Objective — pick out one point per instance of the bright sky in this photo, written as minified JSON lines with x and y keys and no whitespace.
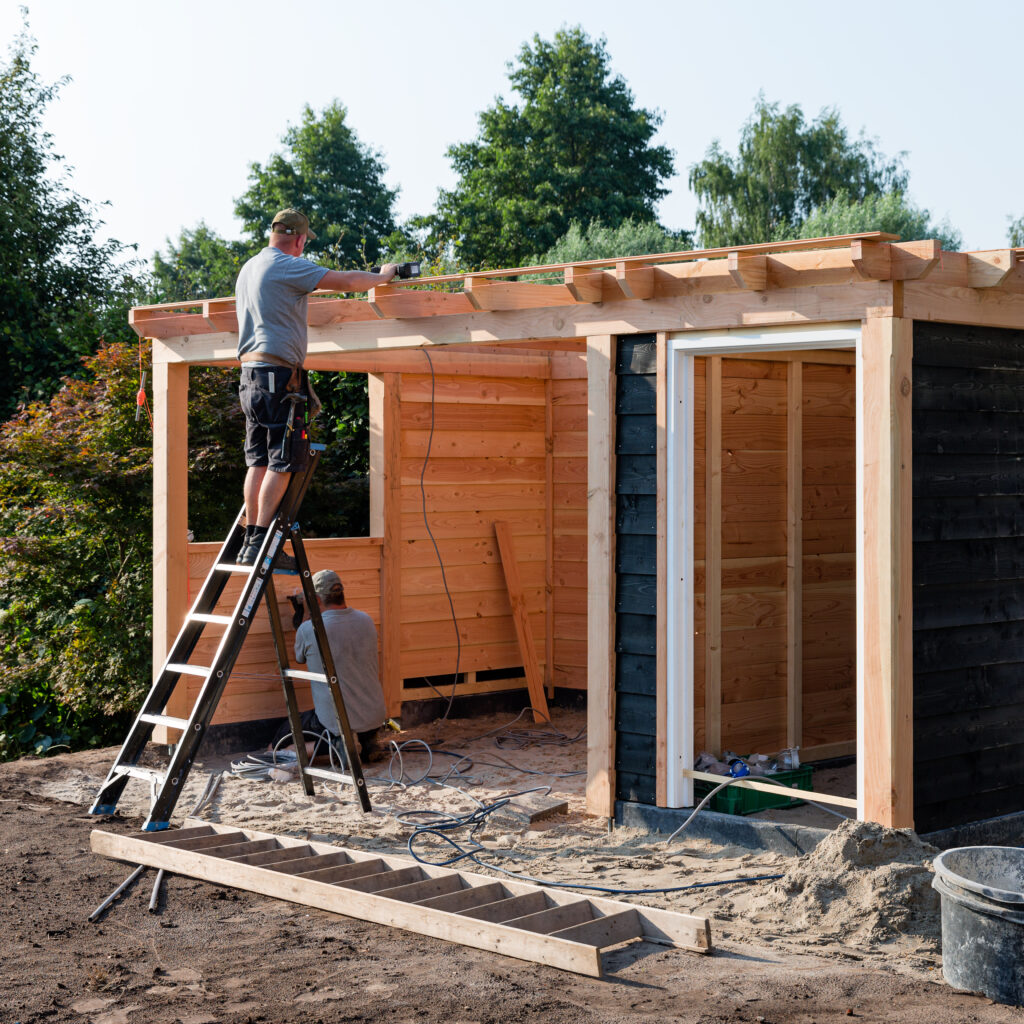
{"x":170,"y":102}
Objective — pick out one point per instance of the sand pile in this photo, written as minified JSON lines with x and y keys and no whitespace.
{"x":863,"y":883}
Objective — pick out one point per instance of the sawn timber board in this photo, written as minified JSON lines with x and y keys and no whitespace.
{"x":529,"y":922}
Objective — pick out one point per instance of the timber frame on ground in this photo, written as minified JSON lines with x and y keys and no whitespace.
{"x":518,"y":322}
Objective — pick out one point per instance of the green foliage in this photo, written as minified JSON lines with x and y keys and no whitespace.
{"x":574,"y":148}
{"x":598,"y":241}
{"x":1017,"y":231}
{"x":332,"y":177}
{"x":891,"y":212}
{"x":75,"y":537}
{"x":60,"y":291}
{"x":200,"y":265}
{"x":785,"y":168}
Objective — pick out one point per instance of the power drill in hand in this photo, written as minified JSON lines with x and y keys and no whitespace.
{"x":405,"y":270}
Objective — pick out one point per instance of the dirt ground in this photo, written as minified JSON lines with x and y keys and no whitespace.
{"x":849,"y":932}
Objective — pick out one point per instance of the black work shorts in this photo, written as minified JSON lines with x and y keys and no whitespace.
{"x":268,"y":439}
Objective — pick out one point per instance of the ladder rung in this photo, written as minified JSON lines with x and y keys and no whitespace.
{"x":171,"y":723}
{"x":187,"y":670}
{"x":217,"y":620}
{"x":138,"y":773}
{"x":233,"y":567}
{"x":296,"y":673}
{"x":326,"y":773}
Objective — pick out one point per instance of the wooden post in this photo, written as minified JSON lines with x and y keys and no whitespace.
{"x":386,"y":522}
{"x":661,"y":527}
{"x":713,"y":558}
{"x":549,"y":537}
{"x":794,"y":553}
{"x":601,"y":575}
{"x":885,"y":612}
{"x":170,"y":524}
{"x":521,"y":619}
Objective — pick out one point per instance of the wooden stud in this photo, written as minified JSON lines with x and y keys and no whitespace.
{"x":391,"y":529}
{"x":794,"y":553}
{"x":661,"y":529}
{"x":601,"y":575}
{"x":170,"y":525}
{"x":521,"y":619}
{"x":713,"y":558}
{"x":885,"y":613}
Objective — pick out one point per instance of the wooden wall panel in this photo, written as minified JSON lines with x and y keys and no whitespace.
{"x":829,"y":559}
{"x":487,"y":462}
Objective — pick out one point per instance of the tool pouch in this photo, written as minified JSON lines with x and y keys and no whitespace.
{"x":299,"y":382}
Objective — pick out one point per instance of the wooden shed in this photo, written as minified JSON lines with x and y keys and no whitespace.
{"x":757,"y":498}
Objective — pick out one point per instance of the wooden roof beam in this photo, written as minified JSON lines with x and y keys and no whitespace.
{"x":389,"y":302}
{"x":493,"y":296}
{"x":634,"y":281}
{"x":989,"y":269}
{"x":585,"y":285}
{"x":749,"y":270}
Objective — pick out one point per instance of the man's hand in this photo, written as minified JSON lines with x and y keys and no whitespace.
{"x":388,"y":271}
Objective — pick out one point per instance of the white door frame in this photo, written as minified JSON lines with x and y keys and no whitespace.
{"x":683,"y":348}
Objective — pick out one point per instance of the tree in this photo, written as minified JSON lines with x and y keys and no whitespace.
{"x":785,"y":168}
{"x":75,"y":529}
{"x":1017,"y":231}
{"x":575,"y":147}
{"x":332,"y":177}
{"x":598,"y":241}
{"x":891,"y":212}
{"x":200,"y":265}
{"x":60,"y":290}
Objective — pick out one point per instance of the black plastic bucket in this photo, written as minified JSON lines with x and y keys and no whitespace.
{"x":982,"y":890}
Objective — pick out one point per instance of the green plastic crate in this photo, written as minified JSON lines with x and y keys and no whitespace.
{"x":741,"y":800}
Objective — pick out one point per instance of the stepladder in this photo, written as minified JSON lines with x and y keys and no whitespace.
{"x":168,"y":780}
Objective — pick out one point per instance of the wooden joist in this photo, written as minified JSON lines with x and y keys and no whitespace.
{"x":529,"y":922}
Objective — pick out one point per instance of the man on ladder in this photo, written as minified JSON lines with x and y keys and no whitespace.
{"x":271,"y":300}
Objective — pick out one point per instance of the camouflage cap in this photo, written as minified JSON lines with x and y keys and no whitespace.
{"x":291,"y":222}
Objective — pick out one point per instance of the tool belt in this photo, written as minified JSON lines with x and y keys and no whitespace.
{"x":297,"y":382}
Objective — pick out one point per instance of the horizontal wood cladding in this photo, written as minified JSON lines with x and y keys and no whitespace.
{"x":636,"y":622}
{"x":968,"y":452}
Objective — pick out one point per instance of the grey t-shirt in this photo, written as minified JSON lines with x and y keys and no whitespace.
{"x":271,"y":297}
{"x":353,"y":640}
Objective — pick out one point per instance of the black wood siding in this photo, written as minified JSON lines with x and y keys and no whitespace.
{"x":968,"y":444}
{"x":635,"y":569}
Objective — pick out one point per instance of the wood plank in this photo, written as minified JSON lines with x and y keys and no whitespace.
{"x":313,"y":862}
{"x":713,"y":413}
{"x":794,"y":555}
{"x":766,"y":787}
{"x":549,"y":536}
{"x":554,"y":919}
{"x":463,"y":899}
{"x":508,"y":295}
{"x":391,"y":552}
{"x":521,"y":619}
{"x":601,"y":575}
{"x":417,"y":892}
{"x":170,"y":526}
{"x":604,"y":931}
{"x":885,"y":616}
{"x":507,"y":909}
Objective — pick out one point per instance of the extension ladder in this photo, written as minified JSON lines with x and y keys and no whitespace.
{"x":167,"y":783}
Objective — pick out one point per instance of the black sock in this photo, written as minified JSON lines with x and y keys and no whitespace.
{"x":257,"y":535}
{"x":248,"y":534}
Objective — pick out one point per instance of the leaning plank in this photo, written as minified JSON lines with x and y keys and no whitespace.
{"x":521,"y":618}
{"x":456,"y":916}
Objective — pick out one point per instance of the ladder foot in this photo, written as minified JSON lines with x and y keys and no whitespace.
{"x":102,"y":808}
{"x":156,"y":826}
